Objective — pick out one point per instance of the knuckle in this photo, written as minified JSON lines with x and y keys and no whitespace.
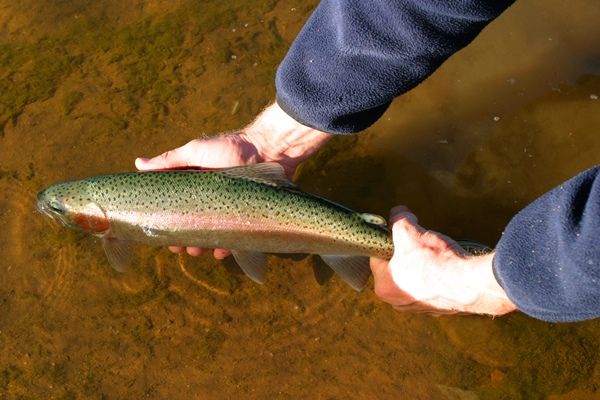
{"x":164,"y":157}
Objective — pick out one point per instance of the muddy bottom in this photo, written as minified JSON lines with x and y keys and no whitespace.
{"x":87,"y":87}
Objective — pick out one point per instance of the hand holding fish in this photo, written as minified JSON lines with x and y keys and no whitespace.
{"x":272,"y":136}
{"x":429,"y":272}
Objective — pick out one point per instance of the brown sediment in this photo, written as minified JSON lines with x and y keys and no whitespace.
{"x":182,"y":266}
{"x":87,"y":87}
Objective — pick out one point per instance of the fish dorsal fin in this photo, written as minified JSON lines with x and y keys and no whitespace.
{"x":269,"y":173}
{"x":374,"y":219}
{"x":253,"y":264}
{"x":354,"y":270}
{"x":118,"y":252}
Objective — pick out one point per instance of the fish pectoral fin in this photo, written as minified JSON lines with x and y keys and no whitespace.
{"x":118,"y":252}
{"x":253,"y":264}
{"x":354,"y":270}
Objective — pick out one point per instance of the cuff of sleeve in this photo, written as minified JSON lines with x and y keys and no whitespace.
{"x":545,"y":260}
{"x":326,"y":122}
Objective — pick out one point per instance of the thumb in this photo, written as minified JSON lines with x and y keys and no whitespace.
{"x":406,"y":231}
{"x":179,"y":157}
{"x":408,"y":235}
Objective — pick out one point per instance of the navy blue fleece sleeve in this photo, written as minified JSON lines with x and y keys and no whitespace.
{"x":548,"y":259}
{"x":353,"y":56}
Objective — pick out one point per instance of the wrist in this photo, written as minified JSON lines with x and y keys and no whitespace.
{"x":277,"y":136}
{"x":492,"y":296}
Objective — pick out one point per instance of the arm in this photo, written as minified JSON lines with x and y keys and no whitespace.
{"x":272,"y":136}
{"x":368,"y":53}
{"x":429,"y":272}
{"x":548,"y":259}
{"x":547,"y":263}
{"x":353,"y":57}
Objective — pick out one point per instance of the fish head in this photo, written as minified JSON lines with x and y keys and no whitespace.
{"x":70,"y":204}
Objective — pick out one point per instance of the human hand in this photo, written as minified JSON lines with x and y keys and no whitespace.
{"x":430,"y":272}
{"x":273,"y":136}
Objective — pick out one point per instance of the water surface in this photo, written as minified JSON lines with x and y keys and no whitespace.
{"x":85,"y":87}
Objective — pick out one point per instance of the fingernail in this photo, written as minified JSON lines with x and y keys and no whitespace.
{"x":398,"y":215}
{"x":141,"y":162}
{"x":399,"y":209}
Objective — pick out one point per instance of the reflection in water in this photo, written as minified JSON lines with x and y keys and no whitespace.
{"x":85,"y":88}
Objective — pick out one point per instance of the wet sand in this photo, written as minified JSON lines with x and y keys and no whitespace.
{"x":87,"y":87}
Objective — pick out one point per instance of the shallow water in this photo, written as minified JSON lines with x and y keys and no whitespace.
{"x":85,"y":87}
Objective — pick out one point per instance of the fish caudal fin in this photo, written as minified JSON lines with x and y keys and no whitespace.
{"x":253,"y":264}
{"x":354,"y":270}
{"x":118,"y":252}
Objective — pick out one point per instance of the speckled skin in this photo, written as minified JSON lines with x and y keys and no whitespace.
{"x":213,"y":209}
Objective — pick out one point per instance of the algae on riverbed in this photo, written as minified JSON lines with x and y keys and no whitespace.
{"x":87,"y":86}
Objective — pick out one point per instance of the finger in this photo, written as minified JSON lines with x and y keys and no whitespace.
{"x":400,"y":212}
{"x":194,"y":251}
{"x":399,"y":209}
{"x":384,"y":286}
{"x":424,"y":308}
{"x":220,"y":254}
{"x":378,"y":265}
{"x":176,"y":249}
{"x":179,"y":157}
{"x":405,"y":229}
{"x":441,"y":242}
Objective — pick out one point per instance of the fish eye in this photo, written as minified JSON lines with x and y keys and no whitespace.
{"x":56,"y":206}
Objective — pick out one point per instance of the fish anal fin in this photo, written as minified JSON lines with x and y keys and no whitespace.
{"x":354,"y":270}
{"x":321,"y":271}
{"x":254,"y":264}
{"x":118,"y":252}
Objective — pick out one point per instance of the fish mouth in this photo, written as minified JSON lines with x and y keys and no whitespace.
{"x":41,"y":205}
{"x":44,"y":207}
{"x":47,"y":211}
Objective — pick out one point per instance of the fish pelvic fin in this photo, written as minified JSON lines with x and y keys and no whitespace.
{"x":354,"y":270}
{"x":118,"y":252}
{"x":254,"y":264}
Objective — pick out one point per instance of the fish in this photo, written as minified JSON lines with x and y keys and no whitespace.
{"x":253,"y":210}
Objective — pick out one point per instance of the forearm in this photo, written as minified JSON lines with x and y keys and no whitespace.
{"x":353,"y":57}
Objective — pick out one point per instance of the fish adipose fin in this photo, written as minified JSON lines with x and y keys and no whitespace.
{"x":253,"y":264}
{"x":354,"y":270}
{"x":374,"y":219}
{"x":269,"y":173}
{"x":118,"y":252}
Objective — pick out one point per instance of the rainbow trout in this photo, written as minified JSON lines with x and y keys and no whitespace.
{"x":251,"y":210}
